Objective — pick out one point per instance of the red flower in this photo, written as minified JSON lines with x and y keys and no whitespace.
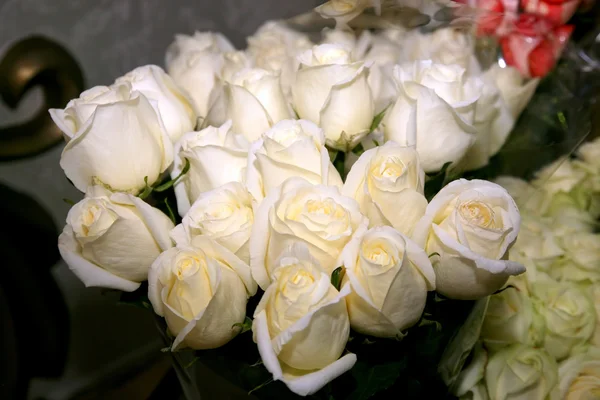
{"x":556,"y":11}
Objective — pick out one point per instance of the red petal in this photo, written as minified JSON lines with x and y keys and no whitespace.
{"x":541,"y":59}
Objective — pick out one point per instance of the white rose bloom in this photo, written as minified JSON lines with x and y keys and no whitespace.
{"x":567,"y":217}
{"x":333,"y":92}
{"x":301,"y":324}
{"x":343,"y":11}
{"x":525,"y":195}
{"x":519,"y":372}
{"x":470,"y":225}
{"x":208,"y":152}
{"x":111,"y":239}
{"x":383,"y":53}
{"x":274,"y":47}
{"x":595,"y":293}
{"x":433,"y":112}
{"x":224,"y":214}
{"x":387,"y":182}
{"x":559,"y":176}
{"x":537,"y":244}
{"x":581,"y":261}
{"x":340,"y":37}
{"x":291,"y":148}
{"x":589,"y":157}
{"x":569,"y":314}
{"x":234,"y":62}
{"x":298,"y":211}
{"x":389,"y":276}
{"x":512,"y":318}
{"x":114,"y":137}
{"x":252,"y":100}
{"x":201,"y":289}
{"x":515,"y":89}
{"x":175,"y":108}
{"x":195,"y":62}
{"x":580,"y":376}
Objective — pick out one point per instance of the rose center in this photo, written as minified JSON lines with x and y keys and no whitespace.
{"x":187,"y":267}
{"x":478,"y":213}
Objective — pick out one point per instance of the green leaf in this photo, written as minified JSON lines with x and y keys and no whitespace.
{"x":358,"y":149}
{"x":170,"y":212}
{"x":336,"y":277}
{"x":69,"y":202}
{"x":339,"y":163}
{"x":436,"y":181}
{"x":374,"y":379}
{"x":147,"y":190}
{"x":245,"y":326}
{"x":377,"y":119}
{"x":167,"y":185}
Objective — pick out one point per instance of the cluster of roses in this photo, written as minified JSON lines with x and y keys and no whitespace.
{"x":541,"y":336}
{"x":532,"y":33}
{"x":262,"y":204}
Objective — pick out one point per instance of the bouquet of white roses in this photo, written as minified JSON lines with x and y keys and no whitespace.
{"x":302,"y":189}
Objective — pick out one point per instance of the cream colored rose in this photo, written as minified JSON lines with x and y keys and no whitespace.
{"x":512,"y":318}
{"x":301,"y":324}
{"x":298,"y":211}
{"x":111,"y":239}
{"x":195,"y":62}
{"x":470,"y":383}
{"x":470,"y":225}
{"x":201,"y":289}
{"x":588,"y":155}
{"x":224,"y":214}
{"x":274,"y":47}
{"x":567,"y":216}
{"x":519,"y":372}
{"x":175,"y":108}
{"x":559,"y":176}
{"x":208,"y":151}
{"x":525,"y":195}
{"x":387,"y":182}
{"x":581,"y":260}
{"x":580,"y":376}
{"x":537,"y":244}
{"x":333,"y":91}
{"x":115,"y":138}
{"x":569,"y":314}
{"x":291,"y":148}
{"x":434,"y":111}
{"x":343,"y":11}
{"x":390,"y":277}
{"x":252,"y":100}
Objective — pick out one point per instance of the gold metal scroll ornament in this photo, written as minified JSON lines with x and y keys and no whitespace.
{"x":36,"y":61}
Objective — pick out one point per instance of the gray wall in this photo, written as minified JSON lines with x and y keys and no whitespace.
{"x":109,"y":38}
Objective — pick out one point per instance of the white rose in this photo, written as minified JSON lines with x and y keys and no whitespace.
{"x":471,"y":225}
{"x":567,"y":216}
{"x":537,"y":244}
{"x":195,"y":63}
{"x":208,"y":152}
{"x":274,"y":47}
{"x":569,"y":314}
{"x":301,"y":324}
{"x":525,"y":195}
{"x":333,"y":92}
{"x":214,"y":42}
{"x":290,"y":148}
{"x":512,"y":318}
{"x":559,"y":176}
{"x":387,"y":182}
{"x":588,"y":155}
{"x":519,"y":372}
{"x":595,"y":293}
{"x":111,"y":239}
{"x":581,"y":261}
{"x":298,"y":211}
{"x":170,"y":102}
{"x":470,"y":383}
{"x":389,"y":276}
{"x":383,"y":53}
{"x":201,"y":289}
{"x":340,"y":37}
{"x":224,"y":214}
{"x":432,"y":112}
{"x":253,"y":100}
{"x":114,"y":137}
{"x":580,"y":376}
{"x":343,"y":11}
{"x":515,"y":89}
